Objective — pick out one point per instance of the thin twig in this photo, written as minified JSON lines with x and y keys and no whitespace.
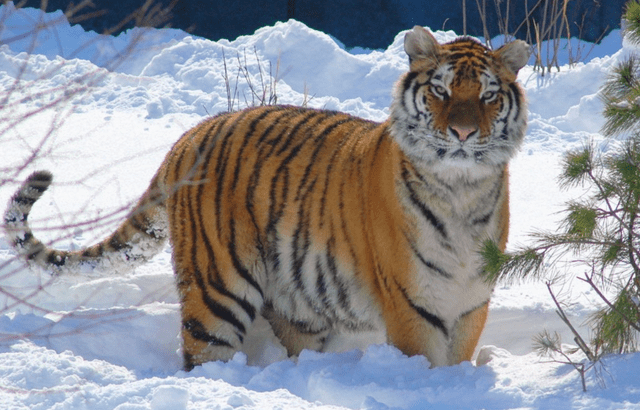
{"x":578,"y":339}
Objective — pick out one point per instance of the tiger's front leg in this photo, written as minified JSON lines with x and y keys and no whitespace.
{"x":415,"y":330}
{"x":467,"y":332}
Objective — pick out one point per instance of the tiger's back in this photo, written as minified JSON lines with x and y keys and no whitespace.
{"x":325,"y":222}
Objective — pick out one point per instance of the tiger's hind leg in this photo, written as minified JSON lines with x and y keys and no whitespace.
{"x":213,"y":326}
{"x":295,"y":335}
{"x":216,"y":313}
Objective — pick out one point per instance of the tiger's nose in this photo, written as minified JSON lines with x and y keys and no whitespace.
{"x":462,"y":132}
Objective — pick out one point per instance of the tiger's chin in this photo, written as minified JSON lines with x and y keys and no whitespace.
{"x":469,"y":170}
{"x":465,"y":157}
{"x":458,"y":162}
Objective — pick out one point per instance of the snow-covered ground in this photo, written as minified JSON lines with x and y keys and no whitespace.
{"x":107,"y":342}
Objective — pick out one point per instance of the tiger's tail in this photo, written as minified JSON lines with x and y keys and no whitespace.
{"x":136,"y":240}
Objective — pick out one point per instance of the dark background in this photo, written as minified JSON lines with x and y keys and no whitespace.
{"x":365,"y":23}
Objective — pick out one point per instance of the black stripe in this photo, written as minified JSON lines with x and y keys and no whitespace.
{"x":22,"y":240}
{"x":221,"y":161}
{"x":434,"y":320}
{"x":205,"y":144}
{"x":292,"y":133}
{"x":339,"y":285}
{"x":265,"y":151}
{"x":301,"y":243}
{"x":221,"y":288}
{"x":426,"y":262}
{"x":252,"y":129}
{"x":516,"y":96}
{"x":408,"y":79}
{"x":306,"y":328}
{"x":276,"y":205}
{"x":177,"y":162}
{"x":215,"y":280}
{"x":382,"y":136}
{"x":116,"y":244}
{"x":328,"y":309}
{"x":56,"y":258}
{"x":187,"y":361}
{"x":39,"y":181}
{"x":330,"y":174}
{"x":472,"y":55}
{"x":180,"y":213}
{"x":483,"y":220}
{"x":319,"y":140}
{"x":22,"y":199}
{"x":321,"y":291}
{"x":343,"y":224}
{"x":414,"y":93}
{"x":301,"y":240}
{"x":493,"y":197}
{"x":406,"y":85}
{"x":463,"y":43}
{"x":422,"y":207}
{"x":243,"y":271}
{"x":205,"y":147}
{"x":144,"y":227}
{"x":320,"y":285}
{"x":473,"y":309}
{"x":214,"y":307}
{"x":197,"y":330}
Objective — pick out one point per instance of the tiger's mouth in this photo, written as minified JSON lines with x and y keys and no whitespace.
{"x":445,"y":148}
{"x":461,"y":154}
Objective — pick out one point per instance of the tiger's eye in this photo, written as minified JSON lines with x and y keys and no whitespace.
{"x":489,"y":95}
{"x":439,"y":90}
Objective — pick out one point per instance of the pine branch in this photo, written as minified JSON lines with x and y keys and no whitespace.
{"x":631,"y":19}
{"x":632,"y":249}
{"x":576,"y":166}
{"x":589,"y":280}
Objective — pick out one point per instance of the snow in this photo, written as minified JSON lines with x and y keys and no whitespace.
{"x":90,"y":341}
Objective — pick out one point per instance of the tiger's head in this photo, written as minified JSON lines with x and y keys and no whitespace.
{"x":459,"y":105}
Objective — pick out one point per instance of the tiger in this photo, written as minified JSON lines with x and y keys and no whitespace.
{"x":325,"y":223}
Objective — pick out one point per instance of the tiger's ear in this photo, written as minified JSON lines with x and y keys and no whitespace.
{"x":514,"y":55}
{"x":420,"y":44}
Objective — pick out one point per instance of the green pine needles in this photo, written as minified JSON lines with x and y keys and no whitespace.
{"x":600,"y":231}
{"x":631,"y":21}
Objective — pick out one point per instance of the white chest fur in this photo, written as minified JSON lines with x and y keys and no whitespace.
{"x":452,"y":211}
